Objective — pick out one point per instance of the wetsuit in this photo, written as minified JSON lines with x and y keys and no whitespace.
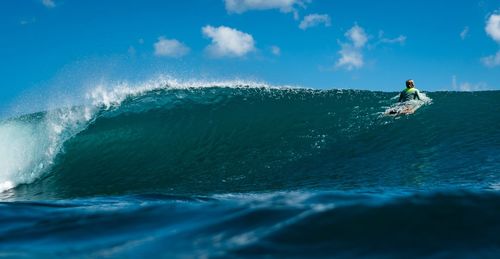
{"x":409,"y":94}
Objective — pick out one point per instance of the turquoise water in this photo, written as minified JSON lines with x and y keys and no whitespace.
{"x":253,"y":171}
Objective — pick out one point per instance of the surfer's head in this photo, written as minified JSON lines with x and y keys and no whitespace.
{"x":410,"y":83}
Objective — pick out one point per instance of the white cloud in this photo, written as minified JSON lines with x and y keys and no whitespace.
{"x":170,"y":48}
{"x":228,"y":42}
{"x":276,"y":50}
{"x":493,"y":27}
{"x":285,"y":6}
{"x":464,"y":33}
{"x":357,"y":35}
{"x":401,"y":40}
{"x":315,"y":20}
{"x":49,"y":3}
{"x":351,"y":55}
{"x":466,"y":86}
{"x":491,"y":61}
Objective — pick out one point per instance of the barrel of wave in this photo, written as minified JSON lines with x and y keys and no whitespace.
{"x":29,"y":144}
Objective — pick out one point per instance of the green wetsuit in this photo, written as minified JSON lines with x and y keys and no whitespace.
{"x":409,"y":94}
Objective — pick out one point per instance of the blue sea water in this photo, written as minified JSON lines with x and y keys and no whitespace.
{"x":219,"y":170}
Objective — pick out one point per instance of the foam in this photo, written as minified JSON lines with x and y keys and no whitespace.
{"x":22,"y":153}
{"x":414,"y":104}
{"x":113,"y":94}
{"x":29,"y":146}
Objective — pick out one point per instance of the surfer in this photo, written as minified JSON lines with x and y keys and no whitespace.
{"x":404,"y":106}
{"x":410,"y":93}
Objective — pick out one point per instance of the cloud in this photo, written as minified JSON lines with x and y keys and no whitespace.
{"x":466,"y":86}
{"x":401,"y":40}
{"x":27,"y":21}
{"x":228,"y":42}
{"x":351,"y":55}
{"x":493,"y":27}
{"x":170,"y":48}
{"x":315,"y":20}
{"x":357,"y":35}
{"x":491,"y":61}
{"x":49,"y":3}
{"x":285,"y":6}
{"x":464,"y":33}
{"x":276,"y":50}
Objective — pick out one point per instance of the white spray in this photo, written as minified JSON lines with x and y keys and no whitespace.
{"x":28,"y":146}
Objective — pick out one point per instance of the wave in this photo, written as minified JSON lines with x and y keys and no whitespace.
{"x":29,"y":143}
{"x":225,"y":137}
{"x":284,"y":224}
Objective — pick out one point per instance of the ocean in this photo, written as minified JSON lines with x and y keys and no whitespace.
{"x":250,"y":170}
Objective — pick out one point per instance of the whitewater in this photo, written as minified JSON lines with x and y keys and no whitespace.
{"x":239,"y":168}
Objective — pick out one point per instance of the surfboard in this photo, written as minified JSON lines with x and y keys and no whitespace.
{"x":401,"y":109}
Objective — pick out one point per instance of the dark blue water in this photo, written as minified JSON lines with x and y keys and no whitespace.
{"x":229,"y":172}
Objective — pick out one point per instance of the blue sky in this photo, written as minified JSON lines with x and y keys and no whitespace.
{"x":374,"y":45}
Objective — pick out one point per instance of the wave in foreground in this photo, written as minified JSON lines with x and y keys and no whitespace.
{"x":292,"y":224}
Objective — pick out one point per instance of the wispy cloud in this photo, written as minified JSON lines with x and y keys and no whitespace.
{"x":492,"y":60}
{"x":27,"y":21}
{"x":228,"y":42}
{"x":276,"y":50}
{"x":285,"y":6}
{"x":315,"y":20}
{"x":401,"y":39}
{"x":351,"y":55}
{"x":49,"y":3}
{"x":170,"y":48}
{"x":466,"y":86}
{"x":464,"y":33}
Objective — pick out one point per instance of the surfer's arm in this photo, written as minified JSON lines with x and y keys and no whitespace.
{"x":400,"y":97}
{"x":417,"y":95}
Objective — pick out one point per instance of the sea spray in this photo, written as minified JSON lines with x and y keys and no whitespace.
{"x":30,"y":143}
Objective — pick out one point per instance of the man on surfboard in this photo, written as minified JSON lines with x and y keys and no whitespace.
{"x":405,"y":106}
{"x":410,"y":93}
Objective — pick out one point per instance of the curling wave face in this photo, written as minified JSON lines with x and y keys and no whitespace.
{"x":208,"y":138}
